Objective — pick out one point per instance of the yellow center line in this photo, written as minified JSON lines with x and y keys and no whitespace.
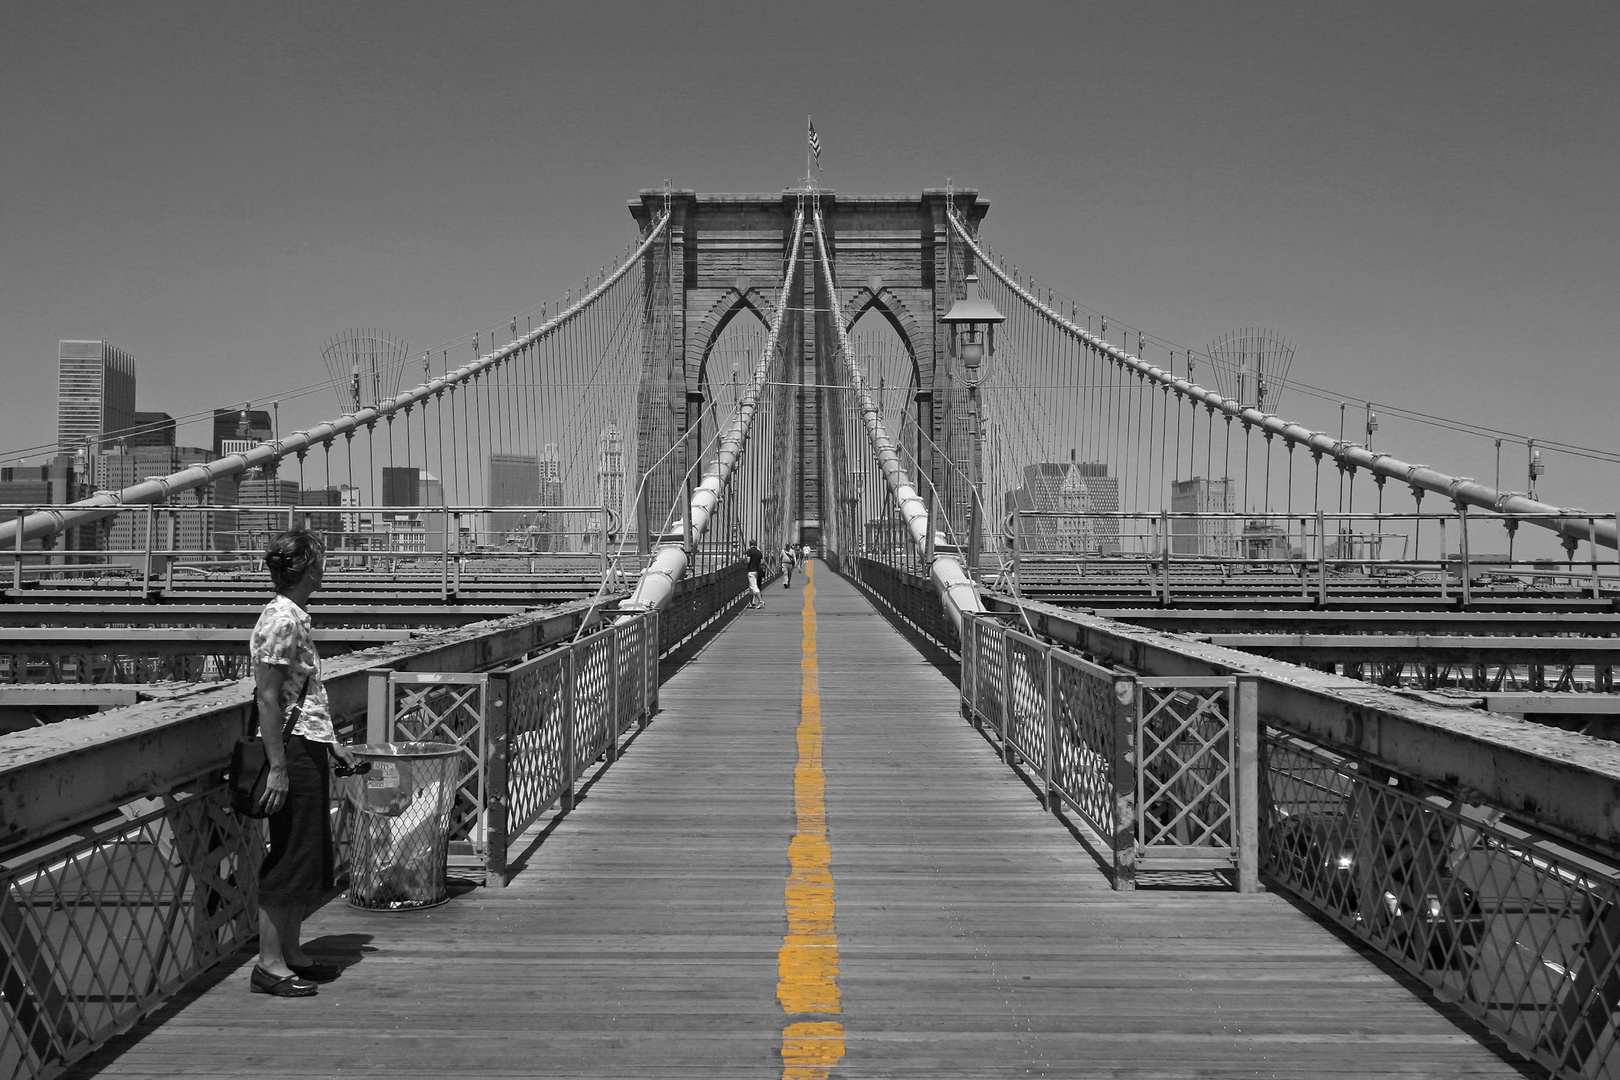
{"x":807,"y":965}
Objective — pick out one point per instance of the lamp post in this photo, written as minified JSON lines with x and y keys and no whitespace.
{"x":972,"y":321}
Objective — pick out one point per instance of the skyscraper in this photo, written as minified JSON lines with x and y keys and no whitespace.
{"x":1078,"y":495}
{"x":514,"y":480}
{"x":95,"y":393}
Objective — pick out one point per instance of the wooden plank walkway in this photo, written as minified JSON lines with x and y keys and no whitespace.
{"x":974,"y":937}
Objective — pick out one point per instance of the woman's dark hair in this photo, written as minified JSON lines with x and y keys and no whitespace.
{"x":289,"y":557}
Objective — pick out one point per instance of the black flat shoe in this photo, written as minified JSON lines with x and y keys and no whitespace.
{"x":263,"y":982}
{"x":316,"y":972}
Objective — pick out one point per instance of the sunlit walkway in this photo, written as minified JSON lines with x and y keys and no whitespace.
{"x":964,"y":931}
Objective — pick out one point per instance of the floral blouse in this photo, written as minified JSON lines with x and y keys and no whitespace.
{"x":282,"y":638}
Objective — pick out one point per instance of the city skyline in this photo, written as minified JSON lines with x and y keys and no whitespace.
{"x":1372,"y":185}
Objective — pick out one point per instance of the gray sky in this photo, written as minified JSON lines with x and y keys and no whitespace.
{"x":1421,"y":196}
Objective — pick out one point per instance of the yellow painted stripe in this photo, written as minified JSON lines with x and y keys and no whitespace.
{"x":807,"y":965}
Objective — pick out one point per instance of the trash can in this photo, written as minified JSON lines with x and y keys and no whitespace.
{"x":402,"y":824}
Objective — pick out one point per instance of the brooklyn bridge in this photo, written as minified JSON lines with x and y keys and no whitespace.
{"x":1118,"y":725}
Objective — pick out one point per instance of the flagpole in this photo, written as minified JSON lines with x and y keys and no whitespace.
{"x":809,"y":176}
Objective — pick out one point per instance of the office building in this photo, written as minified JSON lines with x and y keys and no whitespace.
{"x":186,"y":519}
{"x":550,"y":530}
{"x":1073,"y":497}
{"x":151,"y":429}
{"x":95,"y":394}
{"x":276,"y":497}
{"x":53,"y":484}
{"x":1212,"y":537}
{"x":513,"y":480}
{"x":240,"y":425}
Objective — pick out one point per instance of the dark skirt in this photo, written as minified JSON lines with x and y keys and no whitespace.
{"x":298,"y":869}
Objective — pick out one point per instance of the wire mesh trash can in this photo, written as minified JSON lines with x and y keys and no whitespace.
{"x":402,"y":824}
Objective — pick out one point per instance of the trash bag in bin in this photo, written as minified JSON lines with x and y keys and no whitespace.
{"x":402,"y":824}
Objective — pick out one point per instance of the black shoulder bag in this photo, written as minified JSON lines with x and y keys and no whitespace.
{"x":250,"y":765}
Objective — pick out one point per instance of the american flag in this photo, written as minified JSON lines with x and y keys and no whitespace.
{"x":815,"y":143}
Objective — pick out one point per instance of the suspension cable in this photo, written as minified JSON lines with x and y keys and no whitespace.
{"x":106,"y":503}
{"x":956,"y":587}
{"x":1419,"y":478}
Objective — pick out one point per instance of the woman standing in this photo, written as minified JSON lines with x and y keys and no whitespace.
{"x":297,"y":872}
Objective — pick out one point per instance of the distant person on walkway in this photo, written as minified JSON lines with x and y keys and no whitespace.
{"x":756,"y":573}
{"x":297,"y":872}
{"x":807,"y":553}
{"x":790,"y":558}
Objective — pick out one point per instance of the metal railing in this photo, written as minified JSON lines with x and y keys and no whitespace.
{"x":448,"y":542}
{"x":100,"y":927}
{"x":1521,"y":932}
{"x":525,"y":733}
{"x":124,"y":872}
{"x":909,"y":597}
{"x":1315,"y":554}
{"x":1152,"y":765}
{"x":1484,"y":862}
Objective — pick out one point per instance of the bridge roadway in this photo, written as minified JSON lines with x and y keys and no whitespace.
{"x":974,"y":935}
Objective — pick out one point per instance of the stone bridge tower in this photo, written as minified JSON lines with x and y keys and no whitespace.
{"x":892,"y":253}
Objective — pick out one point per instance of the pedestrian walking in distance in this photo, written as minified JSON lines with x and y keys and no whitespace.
{"x":756,"y":572}
{"x":790,"y":558}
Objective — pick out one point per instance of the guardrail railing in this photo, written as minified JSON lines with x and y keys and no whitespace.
{"x":1479,"y":853}
{"x":1152,"y":765}
{"x":909,"y":597}
{"x":526,"y":732}
{"x":146,"y":544}
{"x":1316,"y":554}
{"x":1522,"y":932}
{"x":123,"y":872}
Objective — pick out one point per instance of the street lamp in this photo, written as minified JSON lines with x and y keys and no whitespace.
{"x":972,"y":321}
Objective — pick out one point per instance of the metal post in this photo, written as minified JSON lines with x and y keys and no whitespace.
{"x":497,"y":778}
{"x":1164,"y":551}
{"x":17,"y":559}
{"x":975,"y":480}
{"x":568,"y":730}
{"x":1445,"y":573}
{"x":1321,"y":559}
{"x":615,"y":729}
{"x":1122,"y":773}
{"x":444,"y":570}
{"x":1049,"y":731}
{"x":455,"y":564}
{"x":146,"y":567}
{"x":1462,"y":532}
{"x":168,"y":562}
{"x":1246,"y":716}
{"x":1592,"y":546}
{"x":1005,"y":721}
{"x":377,"y":695}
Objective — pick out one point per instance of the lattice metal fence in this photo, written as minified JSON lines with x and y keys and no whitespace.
{"x":1522,"y":932}
{"x":97,"y":928}
{"x":448,"y":708}
{"x":525,"y":732}
{"x":1085,"y":743}
{"x":1186,"y":757}
{"x":1150,"y":764}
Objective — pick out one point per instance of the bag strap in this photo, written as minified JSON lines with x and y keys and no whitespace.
{"x":292,"y":719}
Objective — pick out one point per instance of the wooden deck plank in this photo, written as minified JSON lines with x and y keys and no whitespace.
{"x":976,"y":938}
